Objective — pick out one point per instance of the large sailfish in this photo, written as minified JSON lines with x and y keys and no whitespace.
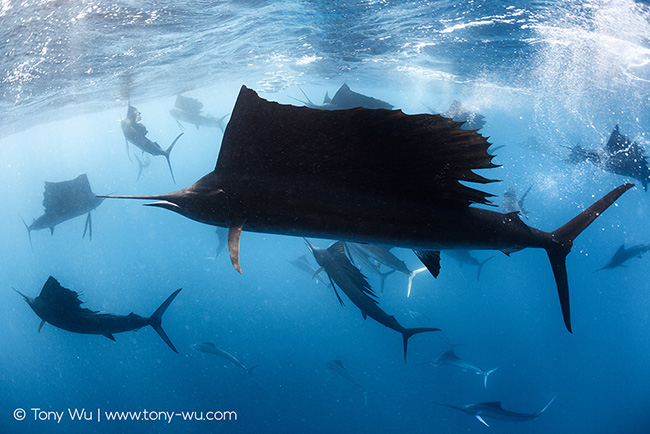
{"x":373,"y":176}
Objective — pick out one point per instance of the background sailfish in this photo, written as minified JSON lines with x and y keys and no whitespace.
{"x":64,"y":201}
{"x":362,"y":175}
{"x":354,"y":285}
{"x":493,"y":410}
{"x":61,"y":307}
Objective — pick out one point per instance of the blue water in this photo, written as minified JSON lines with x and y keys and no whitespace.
{"x":544,"y":74}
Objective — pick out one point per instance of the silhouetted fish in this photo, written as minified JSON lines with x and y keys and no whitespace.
{"x":303,"y":264}
{"x":337,"y":366}
{"x":345,"y":98}
{"x":493,"y":410}
{"x":354,"y":284}
{"x":620,"y":155}
{"x":449,"y":358}
{"x":465,"y":257}
{"x":210,"y":348}
{"x":382,"y":255}
{"x":61,"y":307}
{"x":142,"y":165}
{"x":64,"y":201}
{"x":370,"y":176}
{"x":189,"y":110}
{"x":511,"y":203}
{"x":135,"y":132}
{"x":623,"y":255}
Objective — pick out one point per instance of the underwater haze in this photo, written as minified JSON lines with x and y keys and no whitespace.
{"x":545,"y":75}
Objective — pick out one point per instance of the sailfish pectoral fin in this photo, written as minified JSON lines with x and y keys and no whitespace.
{"x":88,"y":227}
{"x":335,"y":291}
{"x":234,"y":234}
{"x":317,"y":272}
{"x":41,"y":325}
{"x":110,"y":336}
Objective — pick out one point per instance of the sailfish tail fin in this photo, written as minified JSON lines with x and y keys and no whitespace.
{"x":29,"y":232}
{"x":411,"y":275}
{"x":564,"y":237}
{"x":486,"y":374}
{"x":155,"y":320}
{"x":407,"y":333}
{"x":169,"y":151}
{"x":480,"y":267}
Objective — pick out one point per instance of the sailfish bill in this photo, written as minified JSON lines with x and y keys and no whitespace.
{"x":362,"y":175}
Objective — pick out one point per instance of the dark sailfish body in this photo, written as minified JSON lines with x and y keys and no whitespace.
{"x":346,"y":98}
{"x":623,"y":254}
{"x":362,"y":175}
{"x":465,"y":257}
{"x":493,"y":410}
{"x":620,"y":155}
{"x":354,"y":285}
{"x":135,"y":132}
{"x":189,"y":110}
{"x":61,"y":307}
{"x":64,"y":201}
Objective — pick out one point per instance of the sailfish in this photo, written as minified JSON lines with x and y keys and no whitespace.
{"x":363,"y":175}
{"x":493,"y":410}
{"x":344,"y":275}
{"x":66,"y":200}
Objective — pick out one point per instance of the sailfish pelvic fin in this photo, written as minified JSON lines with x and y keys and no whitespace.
{"x":234,"y":234}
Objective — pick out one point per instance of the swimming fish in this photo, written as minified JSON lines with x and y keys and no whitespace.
{"x":142,"y":165}
{"x":337,"y":366}
{"x":511,"y":203}
{"x":135,"y":132}
{"x":620,"y":155}
{"x":382,"y":255}
{"x":493,"y":410}
{"x":361,"y":175}
{"x":345,"y":98}
{"x":449,"y":358}
{"x":61,"y":307}
{"x":189,"y":110}
{"x":465,"y":257}
{"x":64,"y":201}
{"x":623,"y":255}
{"x":303,"y":264}
{"x":210,"y":348}
{"x":354,"y":285}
